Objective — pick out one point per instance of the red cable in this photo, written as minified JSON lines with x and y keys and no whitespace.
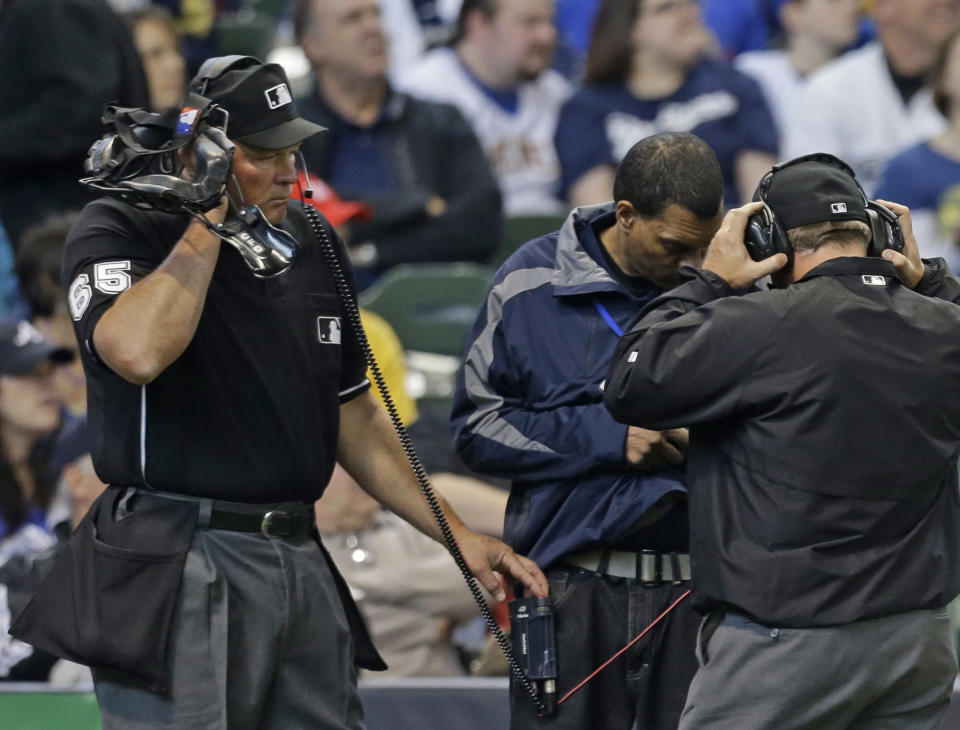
{"x":643,"y":633}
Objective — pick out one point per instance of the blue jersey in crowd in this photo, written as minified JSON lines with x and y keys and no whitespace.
{"x":724,"y":107}
{"x":928,"y":183}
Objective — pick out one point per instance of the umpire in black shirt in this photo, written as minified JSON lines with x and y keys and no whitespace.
{"x":825,"y":427}
{"x":218,"y":404}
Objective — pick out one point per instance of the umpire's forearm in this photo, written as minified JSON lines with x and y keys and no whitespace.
{"x":150,"y":325}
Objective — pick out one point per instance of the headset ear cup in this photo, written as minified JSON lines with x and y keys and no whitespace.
{"x":781,"y":241}
{"x":765,"y":236}
{"x":878,"y":235}
{"x":885,"y":229}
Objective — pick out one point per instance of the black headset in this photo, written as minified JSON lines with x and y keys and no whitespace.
{"x":136,"y":160}
{"x":765,"y":235}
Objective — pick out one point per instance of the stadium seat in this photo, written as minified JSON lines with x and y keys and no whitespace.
{"x":246,"y":32}
{"x":520,"y":229}
{"x":431,"y":307}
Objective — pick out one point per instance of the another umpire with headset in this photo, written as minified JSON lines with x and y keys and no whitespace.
{"x":824,"y":421}
{"x":218,"y":404}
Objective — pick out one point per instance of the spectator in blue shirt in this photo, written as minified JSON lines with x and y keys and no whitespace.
{"x":648,"y":72}
{"x":926,"y":177}
{"x":416,"y":163}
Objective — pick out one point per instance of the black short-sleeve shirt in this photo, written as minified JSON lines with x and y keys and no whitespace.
{"x":250,"y":411}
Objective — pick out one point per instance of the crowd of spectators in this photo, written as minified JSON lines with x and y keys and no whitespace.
{"x":445,"y":120}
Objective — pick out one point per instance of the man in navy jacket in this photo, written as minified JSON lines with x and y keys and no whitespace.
{"x":600,"y":506}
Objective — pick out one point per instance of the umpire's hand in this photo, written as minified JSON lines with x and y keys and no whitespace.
{"x":484,"y":555}
{"x":908,"y":264}
{"x":728,"y":257}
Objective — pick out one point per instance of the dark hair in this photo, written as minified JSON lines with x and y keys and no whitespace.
{"x":941,"y":98}
{"x":487,"y":7}
{"x":671,"y":168}
{"x":301,"y":12}
{"x":13,"y":504}
{"x":37,"y":262}
{"x":611,"y":49}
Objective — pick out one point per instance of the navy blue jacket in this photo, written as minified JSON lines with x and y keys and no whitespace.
{"x":529,"y":401}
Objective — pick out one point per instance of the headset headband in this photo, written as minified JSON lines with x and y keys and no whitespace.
{"x":214,"y":68}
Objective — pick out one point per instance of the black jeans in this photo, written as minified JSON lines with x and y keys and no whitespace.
{"x":596,"y":616}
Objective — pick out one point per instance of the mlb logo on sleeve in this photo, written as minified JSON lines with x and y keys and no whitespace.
{"x":278,"y":96}
{"x":328,"y":330}
{"x":188,"y":117}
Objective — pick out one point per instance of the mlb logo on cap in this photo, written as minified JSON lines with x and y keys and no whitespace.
{"x":188,"y":117}
{"x":278,"y":96}
{"x":838,"y":208}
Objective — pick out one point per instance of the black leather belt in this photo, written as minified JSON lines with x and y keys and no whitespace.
{"x":279,"y":520}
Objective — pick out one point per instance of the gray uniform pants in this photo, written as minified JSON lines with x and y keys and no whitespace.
{"x":260,"y":641}
{"x":878,"y":674}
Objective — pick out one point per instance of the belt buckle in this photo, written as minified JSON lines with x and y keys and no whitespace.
{"x":651,"y":574}
{"x":276,"y":523}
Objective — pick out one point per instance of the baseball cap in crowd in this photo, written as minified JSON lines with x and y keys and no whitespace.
{"x":257,"y":97}
{"x":22,"y":348}
{"x":325,"y":199}
{"x":814,"y":189}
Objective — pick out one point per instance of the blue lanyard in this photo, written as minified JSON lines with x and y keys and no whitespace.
{"x":608,"y":318}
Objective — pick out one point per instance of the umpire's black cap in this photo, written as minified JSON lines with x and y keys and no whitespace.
{"x":814,"y":188}
{"x":257,"y":97}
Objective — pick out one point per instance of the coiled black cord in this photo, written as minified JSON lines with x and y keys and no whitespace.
{"x":353,"y":314}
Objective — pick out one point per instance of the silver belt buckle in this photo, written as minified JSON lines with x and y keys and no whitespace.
{"x":274,"y":520}
{"x":650,"y":568}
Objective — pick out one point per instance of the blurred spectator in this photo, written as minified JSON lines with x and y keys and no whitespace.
{"x":872,"y":103}
{"x":30,"y":410}
{"x":158,"y":44}
{"x":78,"y":485}
{"x":38,"y":270}
{"x":30,"y":413}
{"x":11,"y":302}
{"x":195,"y":24}
{"x":574,"y":21}
{"x":62,"y":61}
{"x":406,"y":40}
{"x":815,"y":32}
{"x":407,"y":585}
{"x":739,"y":25}
{"x":497,"y":73}
{"x":416,"y":163}
{"x":339,"y":212}
{"x":648,"y":72}
{"x":926,"y":178}
{"x":23,"y":569}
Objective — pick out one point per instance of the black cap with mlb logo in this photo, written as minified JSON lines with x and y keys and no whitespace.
{"x":813,"y":189}
{"x":257,"y":97}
